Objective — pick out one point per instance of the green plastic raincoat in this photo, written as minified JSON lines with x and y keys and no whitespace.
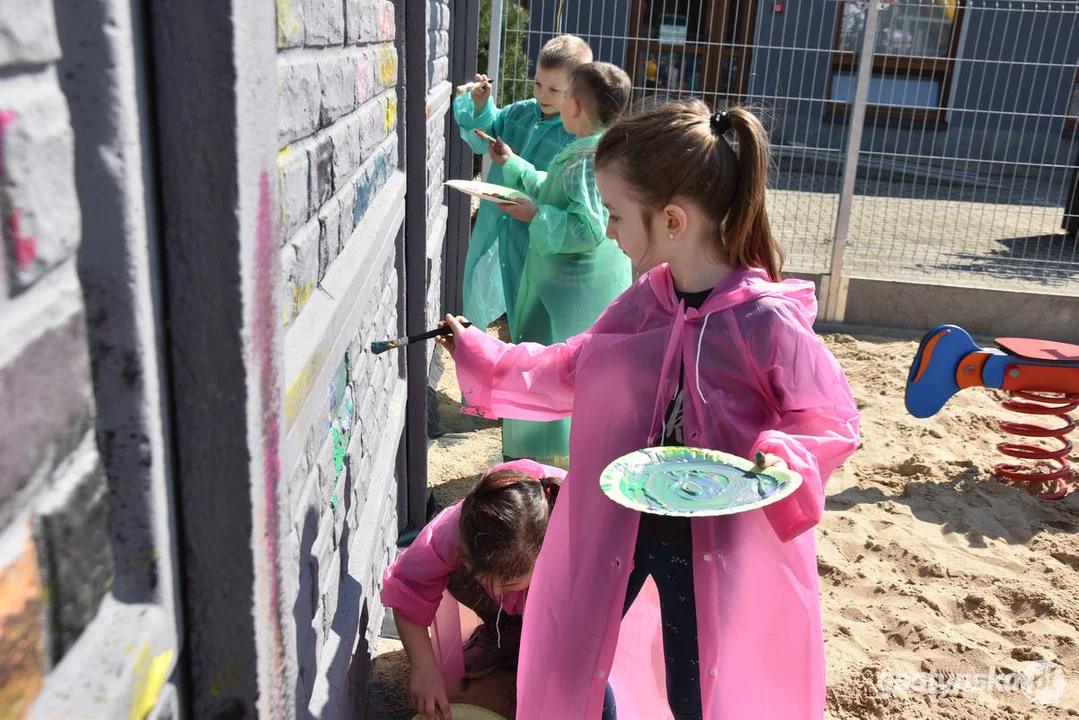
{"x":572,"y":273}
{"x":496,"y":251}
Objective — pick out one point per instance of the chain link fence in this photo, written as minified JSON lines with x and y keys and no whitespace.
{"x":945,"y":152}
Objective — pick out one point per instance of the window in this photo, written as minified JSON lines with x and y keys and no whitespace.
{"x":914,"y":52}
{"x":690,"y":48}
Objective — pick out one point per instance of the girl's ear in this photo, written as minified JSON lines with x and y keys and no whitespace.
{"x":675,"y":219}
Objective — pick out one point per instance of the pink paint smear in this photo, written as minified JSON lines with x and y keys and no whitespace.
{"x":25,"y":246}
{"x":264,"y":329}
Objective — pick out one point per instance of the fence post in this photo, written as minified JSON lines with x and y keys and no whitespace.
{"x":464,"y":38}
{"x":415,"y":133}
{"x":835,"y":296}
{"x":494,"y":61}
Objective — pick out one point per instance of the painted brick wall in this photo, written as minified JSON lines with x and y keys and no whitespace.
{"x":341,"y":192}
{"x":342,"y":201}
{"x":55,"y":563}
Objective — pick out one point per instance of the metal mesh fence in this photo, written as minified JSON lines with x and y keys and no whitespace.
{"x":967,"y":156}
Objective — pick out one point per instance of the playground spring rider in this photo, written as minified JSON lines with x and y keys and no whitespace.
{"x":1042,"y":378}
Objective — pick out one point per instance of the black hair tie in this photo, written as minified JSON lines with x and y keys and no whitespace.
{"x":550,"y":489}
{"x":721,"y":123}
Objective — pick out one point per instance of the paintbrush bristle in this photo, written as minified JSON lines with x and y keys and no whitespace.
{"x":377,"y":348}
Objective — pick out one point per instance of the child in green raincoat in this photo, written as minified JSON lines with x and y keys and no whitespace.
{"x":573,"y":270}
{"x":496,"y":251}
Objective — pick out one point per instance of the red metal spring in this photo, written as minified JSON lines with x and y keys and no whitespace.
{"x":1035,"y":403}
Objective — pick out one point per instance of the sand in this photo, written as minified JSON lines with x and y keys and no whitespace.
{"x":931,"y":571}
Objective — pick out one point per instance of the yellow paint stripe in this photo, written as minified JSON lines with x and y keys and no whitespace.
{"x":150,"y":676}
{"x":300,"y":388}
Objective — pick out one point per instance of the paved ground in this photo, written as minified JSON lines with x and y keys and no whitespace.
{"x":935,"y":240}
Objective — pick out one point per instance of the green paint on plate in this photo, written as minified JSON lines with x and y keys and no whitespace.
{"x":683,"y":481}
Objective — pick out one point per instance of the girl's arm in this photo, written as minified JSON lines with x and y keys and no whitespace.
{"x":426,"y":687}
{"x":417,"y":642}
{"x":414,"y":583}
{"x":581,"y":225}
{"x":527,"y":381}
{"x":818,"y":424}
{"x":413,"y":587}
{"x":523,"y":175}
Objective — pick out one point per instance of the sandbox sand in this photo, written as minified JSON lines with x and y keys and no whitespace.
{"x":931,"y":571}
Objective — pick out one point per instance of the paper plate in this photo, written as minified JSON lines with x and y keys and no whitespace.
{"x":693,"y":482}
{"x":488,"y":191}
{"x":461,"y":711}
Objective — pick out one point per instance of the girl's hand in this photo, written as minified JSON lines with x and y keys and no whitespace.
{"x":481,"y":93}
{"x":500,"y":152}
{"x":450,"y":341}
{"x":427,"y":693}
{"x":773,"y":461}
{"x":525,"y":211}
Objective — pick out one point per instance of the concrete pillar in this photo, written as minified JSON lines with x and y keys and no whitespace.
{"x":213,"y":86}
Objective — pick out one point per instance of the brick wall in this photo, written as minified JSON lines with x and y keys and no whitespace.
{"x":55,"y":563}
{"x":338,"y":282}
{"x":342,"y":206}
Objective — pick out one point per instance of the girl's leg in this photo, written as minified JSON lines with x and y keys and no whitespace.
{"x":637,"y":576}
{"x":673,"y":573}
{"x":609,"y":710}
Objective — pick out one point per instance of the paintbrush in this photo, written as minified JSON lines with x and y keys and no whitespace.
{"x":467,"y":87}
{"x":377,"y":348}
{"x":485,"y":136}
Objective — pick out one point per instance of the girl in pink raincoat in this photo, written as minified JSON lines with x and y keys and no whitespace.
{"x":479,"y":553}
{"x":708,"y":349}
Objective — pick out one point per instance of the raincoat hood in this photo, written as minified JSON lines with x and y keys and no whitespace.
{"x":741,"y":286}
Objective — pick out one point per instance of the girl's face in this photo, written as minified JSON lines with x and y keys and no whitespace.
{"x":549,"y":87}
{"x":636,"y":237}
{"x":516,"y":585}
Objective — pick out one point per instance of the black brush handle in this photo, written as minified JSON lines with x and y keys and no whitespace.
{"x":437,"y":332}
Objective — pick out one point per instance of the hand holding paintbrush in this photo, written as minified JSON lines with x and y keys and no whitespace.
{"x":456,"y":326}
{"x":480,"y":90}
{"x":500,"y":152}
{"x":442,"y":334}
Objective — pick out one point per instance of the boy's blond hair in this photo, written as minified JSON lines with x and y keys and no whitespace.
{"x":565,"y":52}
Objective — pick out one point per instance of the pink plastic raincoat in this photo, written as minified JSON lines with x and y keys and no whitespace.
{"x":415,"y":584}
{"x":756,"y":378}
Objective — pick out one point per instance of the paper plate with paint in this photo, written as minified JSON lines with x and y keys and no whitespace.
{"x":488,"y":191}
{"x":693,"y":482}
{"x":461,"y":711}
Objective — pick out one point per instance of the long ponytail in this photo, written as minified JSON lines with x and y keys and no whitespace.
{"x":747,"y":234}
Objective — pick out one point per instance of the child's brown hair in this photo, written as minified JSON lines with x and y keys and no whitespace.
{"x":680,"y":150}
{"x":503,"y":521}
{"x":603,"y":90}
{"x":565,"y":52}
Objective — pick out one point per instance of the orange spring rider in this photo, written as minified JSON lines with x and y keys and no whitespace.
{"x":1041,"y":377}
